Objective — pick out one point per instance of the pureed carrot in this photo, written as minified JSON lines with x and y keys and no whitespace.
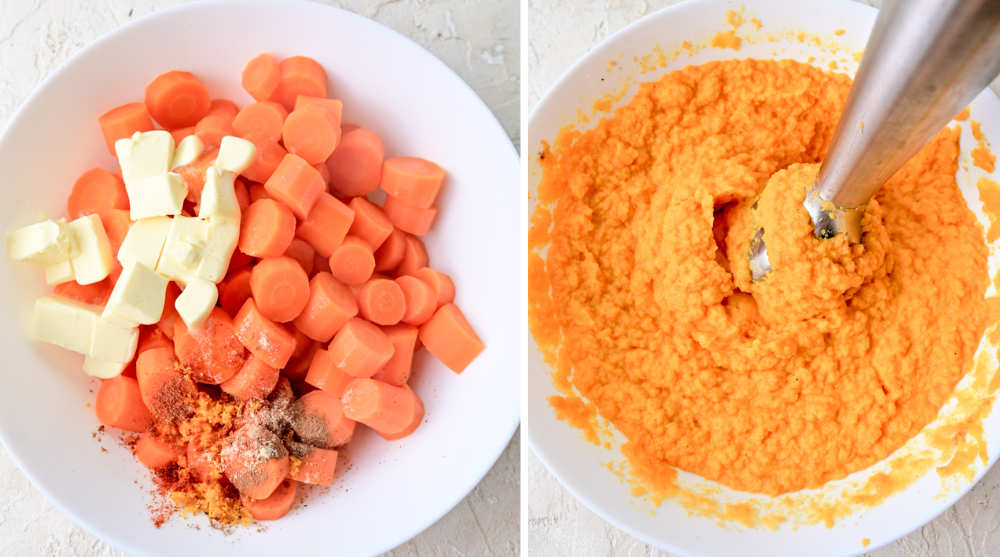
{"x":325,"y":297}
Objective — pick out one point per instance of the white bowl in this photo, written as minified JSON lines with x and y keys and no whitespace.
{"x":581,"y":466}
{"x":390,"y":491}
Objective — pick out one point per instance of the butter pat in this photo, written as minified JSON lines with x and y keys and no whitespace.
{"x":143,"y":155}
{"x":137,"y":297}
{"x":187,"y":151}
{"x":64,"y":323}
{"x":218,"y":198}
{"x":157,"y":196}
{"x":235,"y":154}
{"x":46,"y":243}
{"x":112,"y":343}
{"x":196,"y":301}
{"x":94,"y":260}
{"x":221,"y":237}
{"x":144,"y":242}
{"x":58,"y":273}
{"x":101,"y":368}
{"x":182,"y":249}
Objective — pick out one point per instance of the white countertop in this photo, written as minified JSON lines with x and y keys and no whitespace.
{"x":557,"y":523}
{"x":478,"y":39}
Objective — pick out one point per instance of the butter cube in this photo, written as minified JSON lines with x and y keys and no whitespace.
{"x":182,"y":249}
{"x":101,"y":368}
{"x":46,"y":243}
{"x":94,"y":260}
{"x":58,"y":273}
{"x":65,"y":323}
{"x":157,"y":196}
{"x":137,"y":297}
{"x":187,"y":151}
{"x":235,"y":154}
{"x":143,"y":155}
{"x":112,"y":343}
{"x":218,"y":198}
{"x":221,"y":237}
{"x":196,"y":301}
{"x":144,"y":242}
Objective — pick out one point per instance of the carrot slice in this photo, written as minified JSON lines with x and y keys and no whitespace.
{"x":116,"y":224}
{"x":414,"y":220}
{"x":280,"y":288}
{"x":181,"y":133}
{"x":450,"y":338}
{"x":257,"y":191}
{"x":360,"y":349}
{"x":298,"y":366}
{"x":440,"y":283}
{"x":327,"y":224}
{"x":312,"y":465}
{"x":413,"y":181}
{"x":356,"y":164}
{"x":404,"y":341}
{"x":370,"y":223}
{"x":194,"y":173}
{"x":381,"y":301}
{"x":224,"y":107}
{"x":301,"y":251}
{"x":156,"y":453}
{"x":390,"y":254}
{"x":353,"y":261}
{"x":95,"y":294}
{"x":213,"y":127}
{"x":170,"y":316}
{"x":234,"y":291}
{"x":211,"y":352}
{"x":309,"y":133}
{"x":166,"y":391}
{"x":123,"y":121}
{"x":324,"y":374}
{"x":242,"y":193}
{"x":96,"y":190}
{"x":255,"y":379}
{"x":260,"y":76}
{"x":201,"y":462}
{"x":150,"y":337}
{"x":330,"y":305}
{"x":333,"y":108}
{"x":300,"y":75}
{"x":264,"y":338}
{"x":387,"y":409}
{"x":275,"y":505}
{"x":267,"y":229}
{"x":119,"y":404}
{"x":421,"y":299}
{"x":414,"y":256}
{"x":296,"y":184}
{"x":255,"y":461}
{"x":416,"y":416}
{"x":261,"y":121}
{"x":318,"y":418}
{"x":177,"y":99}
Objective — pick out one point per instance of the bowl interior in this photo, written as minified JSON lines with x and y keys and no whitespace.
{"x":581,"y":466}
{"x":386,"y":492}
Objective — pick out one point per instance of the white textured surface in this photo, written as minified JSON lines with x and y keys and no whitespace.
{"x":477,"y":38}
{"x":560,"y":32}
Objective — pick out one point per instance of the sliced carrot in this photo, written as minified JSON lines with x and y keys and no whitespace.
{"x":353,"y":261}
{"x":390,"y":254}
{"x":382,"y":302}
{"x":414,"y":256}
{"x":255,"y":379}
{"x":280,"y":288}
{"x":416,"y":416}
{"x":275,"y":505}
{"x":450,"y":338}
{"x":324,"y":172}
{"x":213,"y":127}
{"x":151,"y":337}
{"x":414,"y":220}
{"x":370,"y":223}
{"x":360,"y":349}
{"x":261,"y":121}
{"x":242,"y":193}
{"x":234,"y":291}
{"x":255,"y":461}
{"x":166,"y":392}
{"x":264,"y":338}
{"x":300,"y":75}
{"x":212,"y":352}
{"x":224,"y":107}
{"x":301,"y":251}
{"x":177,"y":99}
{"x":194,"y":173}
{"x":201,"y":462}
{"x":119,"y":404}
{"x":321,"y":264}
{"x":123,"y":121}
{"x":156,"y":453}
{"x":298,"y":365}
{"x":269,"y":156}
{"x":170,"y":316}
{"x":181,"y":133}
{"x":421,"y":300}
{"x":386,"y":408}
{"x":312,"y":465}
{"x":333,"y":108}
{"x":318,"y":418}
{"x":415,"y":182}
{"x":324,"y":374}
{"x":257,"y":191}
{"x":309,"y":133}
{"x":267,"y":229}
{"x":330,"y":305}
{"x":95,"y":294}
{"x":356,"y":164}
{"x":327,"y":224}
{"x":404,"y":341}
{"x":260,"y":76}
{"x":296,"y":184}
{"x":116,"y":224}
{"x":440,"y":283}
{"x":96,"y":190}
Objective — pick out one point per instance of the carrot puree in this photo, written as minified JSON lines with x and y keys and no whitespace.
{"x":641,"y":299}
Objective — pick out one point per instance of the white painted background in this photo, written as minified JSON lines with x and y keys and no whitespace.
{"x":561,"y":32}
{"x":479,"y":39}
